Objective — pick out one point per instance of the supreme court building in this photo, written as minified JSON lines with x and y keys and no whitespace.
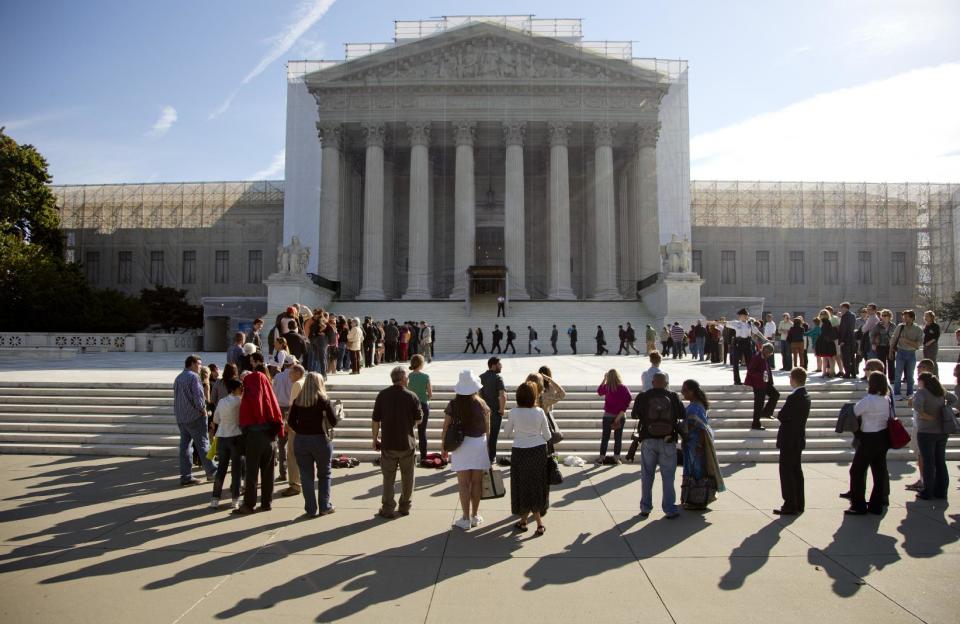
{"x":503,"y":148}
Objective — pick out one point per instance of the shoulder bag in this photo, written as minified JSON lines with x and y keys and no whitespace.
{"x":949,"y":420}
{"x":899,"y":437}
{"x":492,"y":485}
{"x":553,"y":472}
{"x":556,"y":436}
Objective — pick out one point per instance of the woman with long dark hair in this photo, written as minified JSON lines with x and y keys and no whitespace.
{"x":929,"y":402}
{"x":701,"y":474}
{"x":469,"y":460}
{"x":873,"y":411}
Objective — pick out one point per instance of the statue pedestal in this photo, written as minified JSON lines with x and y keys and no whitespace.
{"x":674,"y":297}
{"x":286,"y":289}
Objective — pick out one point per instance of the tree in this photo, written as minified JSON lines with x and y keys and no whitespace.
{"x":948,"y":312}
{"x":168,"y":308}
{"x":27,"y":205}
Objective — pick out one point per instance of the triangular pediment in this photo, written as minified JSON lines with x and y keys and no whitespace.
{"x":483,"y":52}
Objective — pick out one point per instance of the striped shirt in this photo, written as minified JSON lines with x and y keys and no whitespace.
{"x":188,"y":402}
{"x":677,"y":333}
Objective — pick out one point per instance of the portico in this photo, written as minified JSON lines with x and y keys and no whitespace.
{"x":486,"y":146}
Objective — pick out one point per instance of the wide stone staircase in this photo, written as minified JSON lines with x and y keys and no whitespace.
{"x":452,"y":320}
{"x":130,"y":419}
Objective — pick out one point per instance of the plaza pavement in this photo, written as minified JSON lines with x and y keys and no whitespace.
{"x":116,"y":540}
{"x":568,"y":370}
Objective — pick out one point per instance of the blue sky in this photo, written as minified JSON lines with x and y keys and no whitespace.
{"x":119,"y":91}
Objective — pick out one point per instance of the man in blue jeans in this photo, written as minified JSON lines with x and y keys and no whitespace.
{"x":658,"y":411}
{"x":907,"y":338}
{"x":190,"y":408}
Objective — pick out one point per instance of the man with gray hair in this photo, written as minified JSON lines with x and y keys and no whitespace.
{"x":287,"y":385}
{"x":396,"y":413}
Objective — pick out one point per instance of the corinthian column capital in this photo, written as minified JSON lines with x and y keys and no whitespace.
{"x":375,"y":133}
{"x":603,"y":132}
{"x":419,"y":133}
{"x":559,"y":132}
{"x":463,"y":132}
{"x":647,"y":134}
{"x":513,"y":132}
{"x":330,"y":133}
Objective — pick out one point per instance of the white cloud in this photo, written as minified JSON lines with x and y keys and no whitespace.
{"x":168,"y":116}
{"x":13,"y":125}
{"x":887,"y":28}
{"x":273,"y":171}
{"x":308,"y":14}
{"x":903,"y":128}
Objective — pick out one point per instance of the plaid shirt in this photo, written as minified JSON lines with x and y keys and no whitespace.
{"x":188,"y":402}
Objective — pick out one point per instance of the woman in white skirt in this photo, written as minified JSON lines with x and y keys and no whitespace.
{"x":469,"y":460}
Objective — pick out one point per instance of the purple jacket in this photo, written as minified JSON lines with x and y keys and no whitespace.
{"x":616,"y":401}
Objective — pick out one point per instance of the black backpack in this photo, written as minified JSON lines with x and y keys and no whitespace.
{"x":658,"y":418}
{"x":511,"y":335}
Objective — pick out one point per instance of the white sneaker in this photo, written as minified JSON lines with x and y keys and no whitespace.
{"x":462,"y":523}
{"x":234,"y":503}
{"x":214,"y":503}
{"x":476,"y":521}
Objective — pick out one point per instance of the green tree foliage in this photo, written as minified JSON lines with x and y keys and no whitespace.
{"x":27,"y":206}
{"x":948,"y":312}
{"x":168,"y":308}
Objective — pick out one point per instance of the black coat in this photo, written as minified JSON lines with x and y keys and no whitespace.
{"x":792,"y":434}
{"x":848,"y":324}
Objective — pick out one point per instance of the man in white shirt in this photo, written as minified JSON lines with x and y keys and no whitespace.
{"x":742,"y":348}
{"x":770,"y":334}
{"x":287,"y":385}
{"x":647,"y":377}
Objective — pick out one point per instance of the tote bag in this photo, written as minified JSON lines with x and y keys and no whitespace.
{"x":899,"y":437}
{"x":492,"y":485}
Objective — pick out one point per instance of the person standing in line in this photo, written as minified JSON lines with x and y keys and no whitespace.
{"x":469,"y":460}
{"x":404,"y":342}
{"x":826,"y":346}
{"x":354,"y":343}
{"x":622,"y":334}
{"x":760,"y":378}
{"x":286,"y":386}
{"x":532,"y":340}
{"x":700,"y":335}
{"x":501,"y":306}
{"x":511,"y":336}
{"x":931,"y":338}
{"x":783,"y":328}
{"x":791,"y":440}
{"x":496,"y":336}
{"x":929,"y":402}
{"x":391,"y":337}
{"x":794,"y":339}
{"x":227,"y":418}
{"x":414,"y":338}
{"x":396,"y":412}
{"x":631,"y":339}
{"x":554,"y":335}
{"x":494,"y":394}
{"x":770,"y":335}
{"x":262,"y":423}
{"x":219,"y":390}
{"x":659,"y":413}
{"x":190,"y":409}
{"x":847,"y":339}
{"x":651,"y":339}
{"x":572,"y":333}
{"x":235,"y":352}
{"x":646,"y":378}
{"x":255,"y":334}
{"x":313,"y":416}
{"x":480,"y":344}
{"x":601,"y":342}
{"x":873,"y":318}
{"x":677,"y":335}
{"x":616,"y":400}
{"x":426,"y":342}
{"x":529,"y":483}
{"x":813,"y":335}
{"x":369,"y":341}
{"x":666,"y":342}
{"x":470,"y":346}
{"x":907,"y":338}
{"x":873,"y":410}
{"x":418,"y":382}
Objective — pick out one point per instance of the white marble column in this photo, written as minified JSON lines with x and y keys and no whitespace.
{"x":418,"y":265}
{"x":559,"y":218}
{"x":605,"y":243}
{"x":371,"y":284}
{"x":328,"y":255}
{"x":513,"y":232}
{"x":627,"y":289}
{"x":465,"y":222}
{"x":648,"y":215}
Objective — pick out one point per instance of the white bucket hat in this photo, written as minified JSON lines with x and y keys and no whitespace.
{"x":468,"y":383}
{"x":249,"y":348}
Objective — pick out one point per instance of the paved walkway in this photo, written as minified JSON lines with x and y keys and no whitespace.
{"x":116,"y":540}
{"x":569,"y":370}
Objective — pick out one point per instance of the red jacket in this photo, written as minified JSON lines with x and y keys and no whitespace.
{"x":755,"y":371}
{"x":259,"y":406}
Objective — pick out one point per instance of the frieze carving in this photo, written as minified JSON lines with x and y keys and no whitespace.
{"x":513,"y":132}
{"x":489,"y":57}
{"x":559,"y":132}
{"x":419,"y":132}
{"x":375,"y":133}
{"x":330,"y":133}
{"x":603,"y":132}
{"x":463,"y":132}
{"x":647,"y":134}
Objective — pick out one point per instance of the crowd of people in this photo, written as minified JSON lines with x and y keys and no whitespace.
{"x":270,"y":418}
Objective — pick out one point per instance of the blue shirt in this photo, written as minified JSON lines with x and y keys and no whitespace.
{"x":188,"y":402}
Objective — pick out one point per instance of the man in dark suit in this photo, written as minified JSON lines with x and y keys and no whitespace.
{"x":572,"y":332}
{"x":847,"y":339}
{"x":497,"y":337}
{"x":791,"y":440}
{"x":554,"y":334}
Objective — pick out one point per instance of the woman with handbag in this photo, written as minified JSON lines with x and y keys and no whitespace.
{"x":312,"y":418}
{"x":469,"y":414}
{"x":549,"y":394}
{"x":616,"y":400}
{"x":701,"y":475}
{"x":929,"y":402}
{"x":874,"y":412}
{"x":529,"y":480}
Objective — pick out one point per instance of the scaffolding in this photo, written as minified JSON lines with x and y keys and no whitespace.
{"x":927,"y":209}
